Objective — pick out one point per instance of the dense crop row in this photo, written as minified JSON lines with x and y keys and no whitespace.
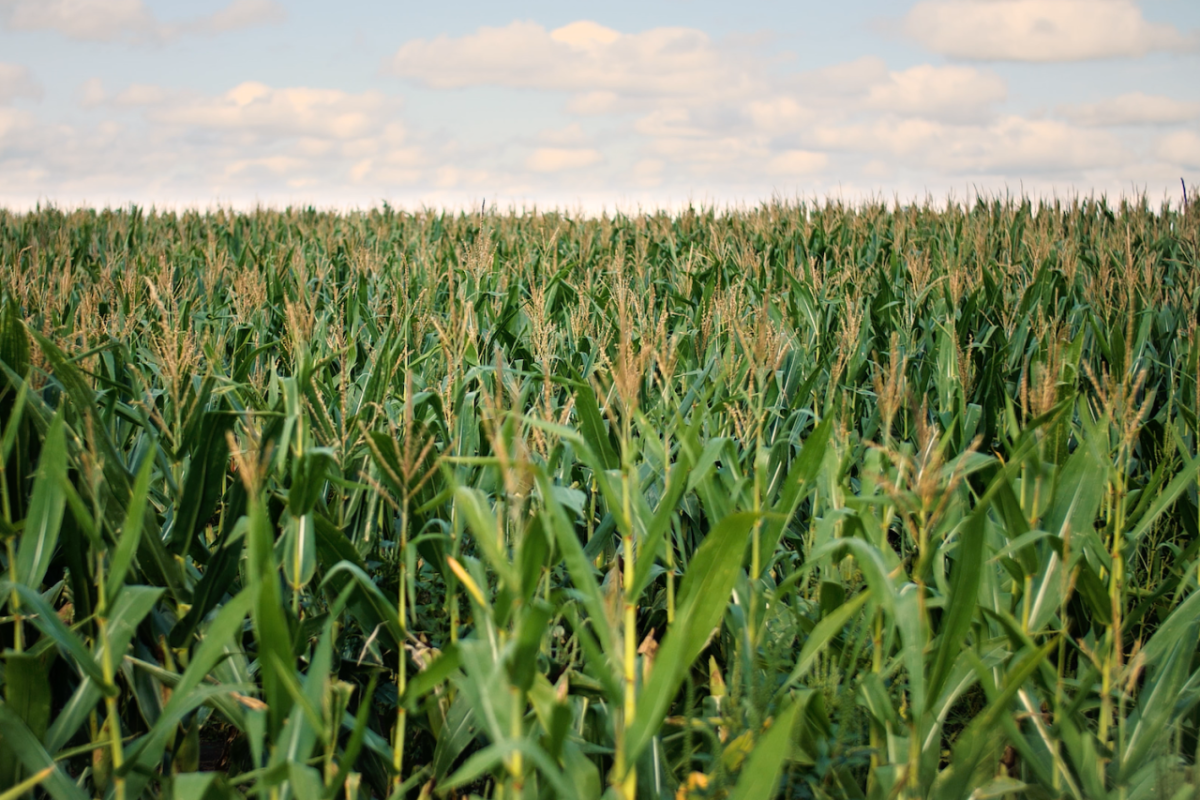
{"x":796,"y":501}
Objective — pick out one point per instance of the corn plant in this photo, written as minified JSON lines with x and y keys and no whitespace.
{"x":803,"y":501}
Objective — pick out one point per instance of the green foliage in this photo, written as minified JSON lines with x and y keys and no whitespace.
{"x":798,"y":501}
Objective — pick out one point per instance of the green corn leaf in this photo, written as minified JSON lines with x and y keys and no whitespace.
{"x":798,"y":483}
{"x":474,"y":506}
{"x":270,"y":625}
{"x":483,"y":761}
{"x":124,"y":616}
{"x":954,"y":784}
{"x":227,"y":626}
{"x":299,"y":551}
{"x":521,"y":661}
{"x":1183,"y":479}
{"x":46,"y":505}
{"x":12,"y":425}
{"x":131,"y":531}
{"x":703,"y":597}
{"x":358,"y":734}
{"x":1157,"y":704}
{"x":591,"y":425}
{"x":660,"y":523}
{"x":760,"y":775}
{"x":581,"y":570}
{"x":459,"y":730}
{"x":309,"y":473}
{"x":33,"y":755}
{"x":27,"y":694}
{"x":203,"y":480}
{"x":303,"y":730}
{"x":27,"y":785}
{"x":1173,"y":629}
{"x":870,"y":562}
{"x":14,"y":342}
{"x":197,"y":786}
{"x":153,"y":557}
{"x":824,"y":631}
{"x":219,"y":572}
{"x":964,"y":596}
{"x":47,"y":621}
{"x":384,"y":615}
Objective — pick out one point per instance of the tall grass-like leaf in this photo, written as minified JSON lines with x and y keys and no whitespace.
{"x":964,"y":596}
{"x":131,"y":531}
{"x":124,"y":616}
{"x":796,"y":485}
{"x":1178,"y":485}
{"x":1077,"y":497}
{"x":154,"y":556}
{"x":761,"y":774}
{"x":14,"y":342}
{"x":270,"y":625}
{"x":703,"y":596}
{"x":383,"y":615}
{"x":27,"y":694}
{"x":484,"y":760}
{"x":817,"y":641}
{"x":1158,"y":706}
{"x":955,"y":783}
{"x":188,"y":693}
{"x":48,"y":622}
{"x":33,"y":755}
{"x":485,"y":527}
{"x":580,"y":568}
{"x":299,"y":551}
{"x":657,"y":526}
{"x":203,"y":480}
{"x":46,"y":506}
{"x":591,"y":425}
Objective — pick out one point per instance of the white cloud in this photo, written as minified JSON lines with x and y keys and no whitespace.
{"x":559,"y":159}
{"x":649,"y":172}
{"x":129,"y":20}
{"x":253,"y":142}
{"x":672,"y":121}
{"x":277,"y":113}
{"x":141,"y":94}
{"x":730,"y":157}
{"x":1040,"y":30}
{"x":599,"y":63}
{"x":16,"y":81}
{"x":82,"y":20}
{"x":798,"y":162}
{"x":949,"y":93}
{"x":595,"y":103}
{"x":846,"y":77}
{"x":239,"y":14}
{"x":91,"y":93}
{"x":1011,"y":145}
{"x":12,"y":122}
{"x":1135,"y":108}
{"x":778,"y":114}
{"x":572,"y":134}
{"x":1016,"y":146}
{"x":1181,"y":147}
{"x":665,"y":113}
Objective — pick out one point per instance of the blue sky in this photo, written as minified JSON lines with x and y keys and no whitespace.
{"x":651,"y":103}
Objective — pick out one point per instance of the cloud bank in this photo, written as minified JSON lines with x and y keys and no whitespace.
{"x":130,"y":20}
{"x":644,"y":116}
{"x":1040,"y":30}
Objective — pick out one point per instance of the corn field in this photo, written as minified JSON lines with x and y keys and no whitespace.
{"x":798,"y":501}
